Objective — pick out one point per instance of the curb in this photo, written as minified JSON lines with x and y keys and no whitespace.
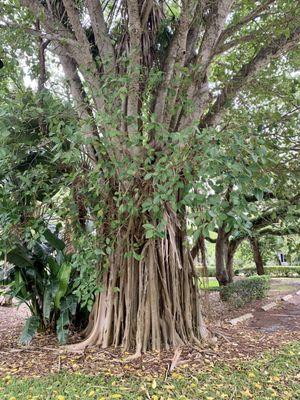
{"x":269,"y":306}
{"x":244,"y":317}
{"x":287,"y":297}
{"x":266,"y":307}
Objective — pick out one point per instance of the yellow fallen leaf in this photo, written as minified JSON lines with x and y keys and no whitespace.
{"x":257,"y":385}
{"x":116,"y":396}
{"x":154,"y":384}
{"x":92,"y":393}
{"x":247,"y":393}
{"x":251,"y":375}
{"x":60,"y":397}
{"x":175,"y":375}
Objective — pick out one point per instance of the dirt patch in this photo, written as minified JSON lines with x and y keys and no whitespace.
{"x":284,"y":318}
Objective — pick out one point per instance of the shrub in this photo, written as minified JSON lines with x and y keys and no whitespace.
{"x":246,"y":290}
{"x":275,"y":271}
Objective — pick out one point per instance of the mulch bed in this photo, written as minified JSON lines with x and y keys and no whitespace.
{"x":268,"y":330}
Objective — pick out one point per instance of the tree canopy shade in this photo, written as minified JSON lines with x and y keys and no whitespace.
{"x":154,"y":83}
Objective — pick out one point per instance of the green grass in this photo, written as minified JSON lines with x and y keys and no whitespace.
{"x":213,"y":284}
{"x":275,"y":375}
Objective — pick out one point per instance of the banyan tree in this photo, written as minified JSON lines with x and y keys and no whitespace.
{"x":151,"y":80}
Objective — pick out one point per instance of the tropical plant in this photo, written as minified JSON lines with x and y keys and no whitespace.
{"x":43,"y":281}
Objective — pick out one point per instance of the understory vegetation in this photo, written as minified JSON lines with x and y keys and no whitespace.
{"x":276,"y":271}
{"x":244,"y":291}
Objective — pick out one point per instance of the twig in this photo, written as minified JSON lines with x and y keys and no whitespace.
{"x":59,"y":363}
{"x":175,"y":359}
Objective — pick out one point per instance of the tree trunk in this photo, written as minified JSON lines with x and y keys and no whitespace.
{"x":200,"y":247}
{"x":231,"y":250}
{"x":220,"y":252}
{"x":203,"y":253}
{"x":257,"y":256}
{"x":152,"y":303}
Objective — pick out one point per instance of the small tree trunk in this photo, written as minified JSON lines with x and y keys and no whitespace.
{"x":153,"y":303}
{"x":203,"y":253}
{"x":257,"y":256}
{"x":220,"y":251}
{"x":231,"y":250}
{"x":200,"y":247}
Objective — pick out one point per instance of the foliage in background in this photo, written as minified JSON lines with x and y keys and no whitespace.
{"x":270,"y":246}
{"x":273,"y":271}
{"x":246,"y":290}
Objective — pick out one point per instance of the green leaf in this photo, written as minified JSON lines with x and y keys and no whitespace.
{"x":69,"y":304}
{"x":49,"y":293}
{"x":148,"y":176}
{"x":137,"y":257}
{"x":31,"y":326}
{"x":54,"y":266}
{"x":149,"y":234}
{"x":53,"y":240}
{"x":63,"y":277}
{"x":62,"y":332}
{"x":259,"y":194}
{"x":19,"y":256}
{"x":19,"y":288}
{"x":47,"y":303}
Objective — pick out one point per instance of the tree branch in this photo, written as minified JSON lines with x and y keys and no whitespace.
{"x":248,"y":18}
{"x":247,"y":72}
{"x":146,"y":10}
{"x":295,"y":230}
{"x":79,"y":95}
{"x":103,"y":42}
{"x":199,"y":91}
{"x":176,"y":53}
{"x":135,"y":55}
{"x":272,"y":216}
{"x":77,"y":49}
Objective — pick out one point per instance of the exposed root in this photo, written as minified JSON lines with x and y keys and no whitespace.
{"x":133,"y":357}
{"x":156,"y":305}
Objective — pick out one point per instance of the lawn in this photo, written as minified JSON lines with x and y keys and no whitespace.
{"x":210,"y":284}
{"x":274,"y":375}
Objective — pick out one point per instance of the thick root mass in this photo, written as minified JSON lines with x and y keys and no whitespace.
{"x":151,"y":304}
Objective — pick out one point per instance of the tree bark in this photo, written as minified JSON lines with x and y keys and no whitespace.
{"x":231,"y":250}
{"x":257,"y":256}
{"x":220,"y":252}
{"x":152,"y":303}
{"x":203,"y":252}
{"x":200,"y":247}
